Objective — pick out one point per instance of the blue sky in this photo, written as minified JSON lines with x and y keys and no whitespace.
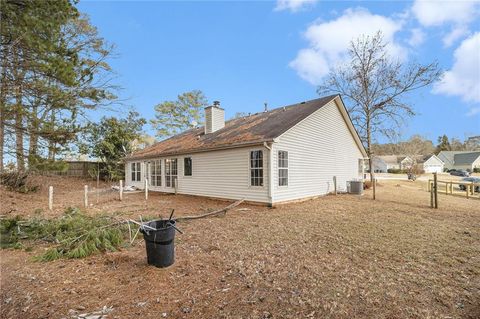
{"x":248,"y":53}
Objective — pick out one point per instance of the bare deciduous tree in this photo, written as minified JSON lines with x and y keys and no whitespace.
{"x":375,"y":85}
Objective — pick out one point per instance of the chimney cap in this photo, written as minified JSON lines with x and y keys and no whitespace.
{"x":216,"y":104}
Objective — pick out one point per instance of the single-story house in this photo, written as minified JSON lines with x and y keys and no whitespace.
{"x":466,"y":160}
{"x":430,"y":164}
{"x":381,"y":164}
{"x":284,"y":154}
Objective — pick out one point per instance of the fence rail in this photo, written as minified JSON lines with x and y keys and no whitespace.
{"x":469,"y":187}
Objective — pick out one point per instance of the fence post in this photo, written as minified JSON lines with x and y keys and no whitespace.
{"x":98,"y":181}
{"x":431,"y":193}
{"x":374,"y":184}
{"x":446,"y":188}
{"x":472,"y":189}
{"x":435,"y":185}
{"x":335,"y":185}
{"x":467,"y":189}
{"x":85,"y":196}
{"x":50,"y":197}
{"x":121,"y":190}
{"x":146,"y":188}
{"x":429,"y":184}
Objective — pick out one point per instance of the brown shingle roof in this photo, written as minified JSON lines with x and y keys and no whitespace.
{"x":249,"y":130}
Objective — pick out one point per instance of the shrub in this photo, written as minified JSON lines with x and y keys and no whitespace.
{"x":43,"y":165}
{"x":476,"y":169}
{"x":396,"y":171}
{"x":17,"y":182}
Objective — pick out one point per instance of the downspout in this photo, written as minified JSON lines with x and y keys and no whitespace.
{"x":270,"y":172}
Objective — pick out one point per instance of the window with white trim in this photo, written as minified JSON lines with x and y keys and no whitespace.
{"x":156,"y":173}
{"x":256,"y":168}
{"x":187,"y":166}
{"x":282,"y":168}
{"x":136,"y":172}
{"x":171,"y":171}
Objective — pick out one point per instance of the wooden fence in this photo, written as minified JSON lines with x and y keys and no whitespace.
{"x":83,"y":169}
{"x":447,"y":187}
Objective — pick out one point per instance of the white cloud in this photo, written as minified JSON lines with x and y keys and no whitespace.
{"x":310,"y":65}
{"x":293,"y":5}
{"x":435,"y":13}
{"x":329,"y":41}
{"x":454,"y":35}
{"x":417,"y":37}
{"x":458,"y":14}
{"x":464,"y":78}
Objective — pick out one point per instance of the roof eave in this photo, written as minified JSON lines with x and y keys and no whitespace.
{"x":199,"y":150}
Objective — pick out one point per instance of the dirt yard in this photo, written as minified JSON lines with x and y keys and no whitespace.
{"x":339,"y":256}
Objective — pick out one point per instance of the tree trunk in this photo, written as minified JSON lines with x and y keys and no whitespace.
{"x":33,"y":134}
{"x":2,"y":135}
{"x":19,"y":132}
{"x":51,"y":142}
{"x":369,"y":149}
{"x":18,"y":114}
{"x":3,"y":101}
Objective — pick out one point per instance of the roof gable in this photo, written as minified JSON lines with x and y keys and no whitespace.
{"x":429,"y":159}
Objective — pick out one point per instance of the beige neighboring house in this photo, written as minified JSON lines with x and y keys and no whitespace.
{"x":285,"y":154}
{"x":465,"y":160}
{"x":381,"y":164}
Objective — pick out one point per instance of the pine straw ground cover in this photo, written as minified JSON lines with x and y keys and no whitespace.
{"x":333,"y":257}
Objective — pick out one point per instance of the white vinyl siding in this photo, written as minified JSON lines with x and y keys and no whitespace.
{"x":319,"y":147}
{"x":221,"y":174}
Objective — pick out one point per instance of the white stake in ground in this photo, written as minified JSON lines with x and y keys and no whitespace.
{"x":146,"y":188}
{"x":50,"y":197}
{"x":121,"y":190}
{"x":85,"y":196}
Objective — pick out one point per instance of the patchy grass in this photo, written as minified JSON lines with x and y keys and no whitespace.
{"x":333,"y":257}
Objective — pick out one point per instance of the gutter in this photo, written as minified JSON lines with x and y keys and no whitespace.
{"x":270,"y":171}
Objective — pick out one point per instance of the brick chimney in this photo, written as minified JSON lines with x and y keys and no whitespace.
{"x":214,"y":118}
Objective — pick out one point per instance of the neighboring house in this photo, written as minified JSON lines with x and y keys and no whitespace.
{"x":381,"y":164}
{"x":430,"y":164}
{"x":460,"y":159}
{"x":285,"y":154}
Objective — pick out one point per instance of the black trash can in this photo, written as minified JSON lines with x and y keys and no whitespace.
{"x":160,"y":243}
